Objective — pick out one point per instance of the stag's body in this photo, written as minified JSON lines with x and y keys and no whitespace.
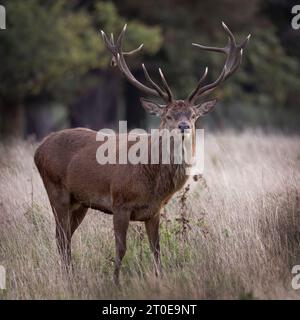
{"x":74,"y":169}
{"x":75,"y":181}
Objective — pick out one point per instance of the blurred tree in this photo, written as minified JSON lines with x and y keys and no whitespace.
{"x":269,"y":76}
{"x":42,"y":45}
{"x":280,"y":14}
{"x":97,"y":106}
{"x":52,"y":51}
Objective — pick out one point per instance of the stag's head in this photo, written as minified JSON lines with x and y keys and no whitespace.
{"x":178,"y":114}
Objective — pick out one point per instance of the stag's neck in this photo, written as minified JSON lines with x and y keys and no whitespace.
{"x":169,"y":177}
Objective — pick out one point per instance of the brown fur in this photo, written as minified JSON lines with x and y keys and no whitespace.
{"x":75,"y":182}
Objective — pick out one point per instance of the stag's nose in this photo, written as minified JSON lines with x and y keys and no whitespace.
{"x":183,"y":126}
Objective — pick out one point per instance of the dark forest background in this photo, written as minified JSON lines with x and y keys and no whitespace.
{"x":55,"y":71}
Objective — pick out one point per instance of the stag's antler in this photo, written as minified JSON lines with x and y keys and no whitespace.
{"x":118,"y":60}
{"x":233,"y":52}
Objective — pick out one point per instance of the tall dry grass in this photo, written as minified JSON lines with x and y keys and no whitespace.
{"x":243,"y":232}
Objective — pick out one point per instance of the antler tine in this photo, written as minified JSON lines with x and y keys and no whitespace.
{"x":214,"y":84}
{"x":166,"y":86}
{"x":233,"y":53}
{"x":245,"y":42}
{"x":130,"y":77}
{"x":191,"y":96}
{"x":230,"y":34}
{"x":235,"y":64}
{"x":112,"y":39}
{"x":106,"y":41}
{"x":216,"y":49}
{"x":147,"y":76}
{"x":120,"y":43}
{"x":118,"y":60}
{"x":121,"y":37}
{"x":111,"y":43}
{"x":129,"y":53}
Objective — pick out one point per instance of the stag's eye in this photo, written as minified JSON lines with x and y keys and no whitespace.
{"x":193,"y":116}
{"x":169,"y":118}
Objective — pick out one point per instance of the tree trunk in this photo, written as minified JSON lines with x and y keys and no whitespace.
{"x":39,"y":121}
{"x":135,"y":114}
{"x":97,"y":108}
{"x":11,"y":122}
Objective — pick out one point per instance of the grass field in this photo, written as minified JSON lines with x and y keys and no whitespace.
{"x":243,"y":235}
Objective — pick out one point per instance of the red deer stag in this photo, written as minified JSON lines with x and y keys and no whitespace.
{"x":74,"y":181}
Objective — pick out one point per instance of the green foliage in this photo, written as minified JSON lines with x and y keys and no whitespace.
{"x":106,"y":16}
{"x":52,"y":48}
{"x":48,"y":47}
{"x":269,"y":70}
{"x":269,"y":75}
{"x":41,"y":45}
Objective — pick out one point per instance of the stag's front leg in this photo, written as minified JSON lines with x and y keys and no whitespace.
{"x":152,"y":229}
{"x":121,"y":222}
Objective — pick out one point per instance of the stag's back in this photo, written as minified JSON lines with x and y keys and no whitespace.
{"x":56,"y":151}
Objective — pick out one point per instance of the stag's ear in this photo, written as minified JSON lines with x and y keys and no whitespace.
{"x":152,"y":107}
{"x":205,"y":107}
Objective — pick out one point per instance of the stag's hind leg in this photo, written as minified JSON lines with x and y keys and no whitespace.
{"x":152,"y":229}
{"x":60,"y":202}
{"x":63,"y":239}
{"x":121,"y":222}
